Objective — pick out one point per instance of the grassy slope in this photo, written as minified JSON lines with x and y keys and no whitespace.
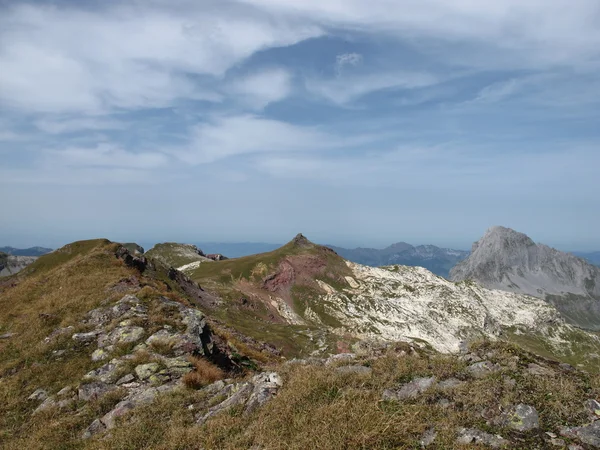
{"x":241,"y":277}
{"x":53,"y":292}
{"x":319,"y":408}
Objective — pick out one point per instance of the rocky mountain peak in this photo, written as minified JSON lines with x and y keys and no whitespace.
{"x":508,"y":260}
{"x":301,"y":241}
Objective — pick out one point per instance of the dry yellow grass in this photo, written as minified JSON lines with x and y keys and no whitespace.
{"x":204,"y":373}
{"x":319,"y":408}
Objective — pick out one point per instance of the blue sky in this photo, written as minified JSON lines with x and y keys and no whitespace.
{"x":355,"y":122}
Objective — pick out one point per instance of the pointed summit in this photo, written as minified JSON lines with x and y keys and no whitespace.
{"x":301,"y":241}
{"x":508,"y":260}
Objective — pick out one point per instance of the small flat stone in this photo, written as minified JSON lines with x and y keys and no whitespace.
{"x":38,"y":395}
{"x":85,"y":338}
{"x":473,"y":436}
{"x":522,"y":418}
{"x":7,"y":335}
{"x":96,"y":427}
{"x":125,"y":379}
{"x":410,"y":390}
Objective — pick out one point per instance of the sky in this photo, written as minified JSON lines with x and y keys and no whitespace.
{"x":357,"y":123}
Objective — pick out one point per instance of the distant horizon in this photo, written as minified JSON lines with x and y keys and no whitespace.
{"x":147,"y":244}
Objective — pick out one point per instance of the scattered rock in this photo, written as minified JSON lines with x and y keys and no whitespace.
{"x":108,"y":373}
{"x":125,"y":379}
{"x":46,"y":404}
{"x":340,"y":357}
{"x":99,"y":355}
{"x":96,"y":427}
{"x":177,"y":366}
{"x":67,"y":391}
{"x":252,"y":394}
{"x":557,"y":442}
{"x":145,"y":371}
{"x":482,"y":369}
{"x":58,"y":332}
{"x":450,"y":383}
{"x":361,"y":370}
{"x":122,"y":408}
{"x":38,"y":395}
{"x":593,"y":407}
{"x":521,"y":418}
{"x":588,"y":434}
{"x":85,"y":338}
{"x":474,"y":436}
{"x":536,"y":369}
{"x":410,"y":390}
{"x":121,"y":335}
{"x":93,"y":391}
{"x":428,"y":437}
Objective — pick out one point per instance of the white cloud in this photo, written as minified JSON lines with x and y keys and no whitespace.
{"x":498,"y":91}
{"x":520,"y":33}
{"x":107,"y":155}
{"x":259,"y":89}
{"x":70,"y":124}
{"x":248,"y":134}
{"x":64,"y":58}
{"x":345,"y":89}
{"x":347,"y":59}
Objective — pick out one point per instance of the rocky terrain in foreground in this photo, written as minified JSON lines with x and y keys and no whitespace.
{"x":507,"y":260}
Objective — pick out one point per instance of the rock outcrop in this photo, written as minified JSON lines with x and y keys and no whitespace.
{"x":507,"y":260}
{"x":10,"y":264}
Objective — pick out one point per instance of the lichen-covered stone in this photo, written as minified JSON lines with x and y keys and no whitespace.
{"x":473,"y":436}
{"x":522,"y":418}
{"x":144,"y":371}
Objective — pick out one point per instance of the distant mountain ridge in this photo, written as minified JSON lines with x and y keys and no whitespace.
{"x":32,"y":251}
{"x":435,"y":259}
{"x":508,"y":260}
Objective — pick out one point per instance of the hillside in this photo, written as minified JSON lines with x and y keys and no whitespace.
{"x":295,"y":348}
{"x":435,"y":259}
{"x":335,"y":303}
{"x":511,"y":261}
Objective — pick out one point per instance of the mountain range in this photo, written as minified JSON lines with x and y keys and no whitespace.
{"x":104,"y":346}
{"x":32,"y":251}
{"x":435,"y":259}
